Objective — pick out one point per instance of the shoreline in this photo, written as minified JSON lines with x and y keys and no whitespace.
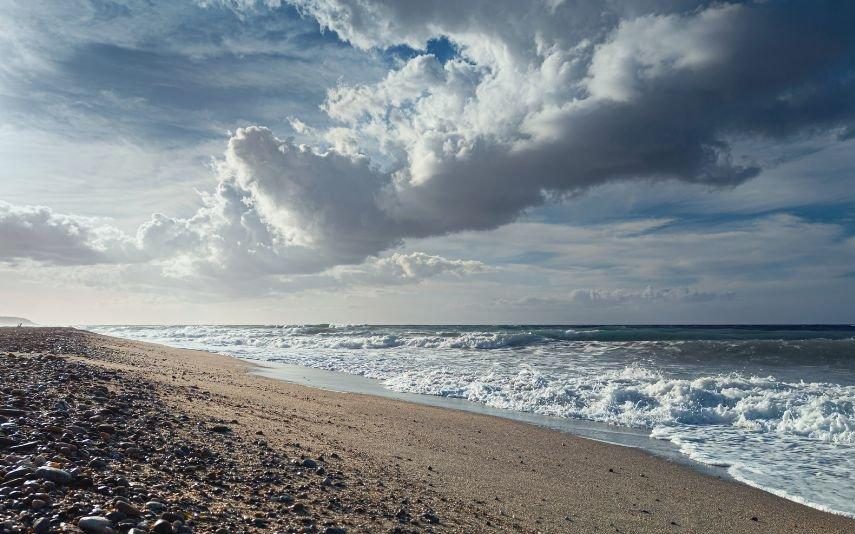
{"x":622,"y":436}
{"x":476,"y":472}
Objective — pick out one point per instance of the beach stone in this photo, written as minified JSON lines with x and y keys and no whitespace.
{"x":335,"y":530}
{"x":155,"y":506}
{"x":309,"y":463}
{"x":53,"y":474}
{"x":162,"y":526}
{"x":98,"y":464}
{"x":402,"y":515}
{"x":127,"y":508}
{"x":430,"y":517}
{"x":18,"y":473}
{"x":41,"y":525}
{"x":37,"y":504}
{"x":95,"y":524}
{"x":115,"y":516}
{"x":24,"y":447}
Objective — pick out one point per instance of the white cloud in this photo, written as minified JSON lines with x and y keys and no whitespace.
{"x":36,"y":232}
{"x":406,"y":268}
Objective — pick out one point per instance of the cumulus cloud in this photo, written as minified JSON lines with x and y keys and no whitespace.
{"x":403,"y":268}
{"x":542,"y":100}
{"x":38,"y":233}
{"x":535,"y":107}
{"x":227,"y":244}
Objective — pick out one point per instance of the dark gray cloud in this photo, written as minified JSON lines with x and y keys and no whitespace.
{"x":568,"y":97}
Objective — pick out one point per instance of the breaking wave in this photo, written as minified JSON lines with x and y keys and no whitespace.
{"x":775,"y":405}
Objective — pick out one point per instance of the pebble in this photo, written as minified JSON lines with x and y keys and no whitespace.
{"x":162,"y":526}
{"x":156,"y":507}
{"x":18,"y":473}
{"x":95,"y":524}
{"x":98,"y":464}
{"x":55,"y":475}
{"x":41,"y":525}
{"x":127,"y":508}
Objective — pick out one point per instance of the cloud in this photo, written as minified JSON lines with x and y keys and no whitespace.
{"x":615,"y":297}
{"x":407,"y":268}
{"x":540,"y":102}
{"x":227,"y":246}
{"x":546,"y":105}
{"x":36,"y":232}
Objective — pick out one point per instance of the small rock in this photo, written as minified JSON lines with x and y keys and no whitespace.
{"x":98,"y":464}
{"x":335,"y":530}
{"x":41,"y":525}
{"x":115,"y":516}
{"x":57,"y":476}
{"x":127,"y":508}
{"x":18,"y":473}
{"x":156,"y":507}
{"x":430,"y":517}
{"x":162,"y":526}
{"x":309,"y":463}
{"x":37,"y":504}
{"x":95,"y":524}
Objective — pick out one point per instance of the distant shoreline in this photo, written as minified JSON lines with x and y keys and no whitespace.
{"x":6,"y":321}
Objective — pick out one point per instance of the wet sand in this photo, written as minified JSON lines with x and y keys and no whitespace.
{"x":408,"y":467}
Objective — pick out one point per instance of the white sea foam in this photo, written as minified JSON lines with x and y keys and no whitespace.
{"x":779,"y":413}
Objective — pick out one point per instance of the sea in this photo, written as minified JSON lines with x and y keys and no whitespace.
{"x":773,"y":406}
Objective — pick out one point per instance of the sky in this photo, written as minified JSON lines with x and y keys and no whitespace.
{"x":396,"y":161}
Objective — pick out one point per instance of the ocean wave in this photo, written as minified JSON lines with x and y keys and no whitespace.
{"x":777,"y":410}
{"x":643,"y":398}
